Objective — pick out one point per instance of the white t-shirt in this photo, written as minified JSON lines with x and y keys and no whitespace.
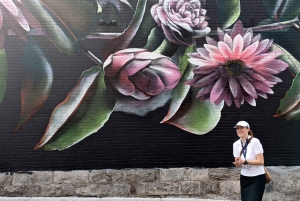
{"x":254,"y":147}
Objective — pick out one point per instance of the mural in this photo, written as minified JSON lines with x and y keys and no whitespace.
{"x":194,"y":57}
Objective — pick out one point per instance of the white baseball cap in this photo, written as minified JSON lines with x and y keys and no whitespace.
{"x":242,"y":123}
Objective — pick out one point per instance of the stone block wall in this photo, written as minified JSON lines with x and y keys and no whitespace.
{"x":205,"y":183}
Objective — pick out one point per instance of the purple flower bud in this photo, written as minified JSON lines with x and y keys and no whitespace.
{"x":141,"y":74}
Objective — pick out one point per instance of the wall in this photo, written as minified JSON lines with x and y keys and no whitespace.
{"x":61,"y":111}
{"x":203,"y":183}
{"x":76,"y":121}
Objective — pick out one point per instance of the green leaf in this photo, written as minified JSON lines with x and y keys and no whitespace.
{"x":121,"y":42}
{"x":125,"y":2}
{"x":120,"y":5}
{"x":294,"y":64}
{"x":188,"y":113}
{"x":228,"y":12}
{"x":288,"y":40}
{"x":3,"y":73}
{"x":85,"y":110}
{"x":290,"y":105}
{"x":266,"y":22}
{"x":179,"y":93}
{"x":155,"y":39}
{"x":146,"y":27}
{"x":271,"y":7}
{"x":56,"y":31}
{"x":181,"y":90}
{"x":183,"y":59}
{"x":37,"y":80}
{"x":99,"y":7}
{"x":282,"y":10}
{"x":77,"y":15}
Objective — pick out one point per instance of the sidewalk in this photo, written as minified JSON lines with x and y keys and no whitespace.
{"x":101,"y":199}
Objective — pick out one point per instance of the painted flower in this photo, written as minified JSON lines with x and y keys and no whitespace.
{"x":181,"y":20}
{"x":237,"y":68}
{"x":15,"y":19}
{"x":141,"y":74}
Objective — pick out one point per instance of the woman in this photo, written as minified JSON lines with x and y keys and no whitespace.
{"x":248,"y":154}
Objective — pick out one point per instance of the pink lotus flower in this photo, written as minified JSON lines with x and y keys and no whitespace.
{"x":15,"y":19}
{"x":141,"y":74}
{"x":181,"y":20}
{"x":239,"y":67}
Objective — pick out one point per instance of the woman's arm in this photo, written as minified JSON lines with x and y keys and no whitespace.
{"x":258,"y":161}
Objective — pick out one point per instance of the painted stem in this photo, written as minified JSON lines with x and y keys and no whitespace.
{"x":94,"y":58}
{"x":106,"y":36}
{"x":296,"y":27}
{"x":269,"y":27}
{"x":266,"y":27}
{"x":167,"y":48}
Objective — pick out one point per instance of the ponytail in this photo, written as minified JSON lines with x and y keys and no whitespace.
{"x":251,"y":134}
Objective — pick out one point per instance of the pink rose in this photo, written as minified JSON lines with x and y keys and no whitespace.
{"x":181,"y":20}
{"x":141,"y":74}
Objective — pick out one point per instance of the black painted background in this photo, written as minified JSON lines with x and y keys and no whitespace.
{"x":129,"y":141}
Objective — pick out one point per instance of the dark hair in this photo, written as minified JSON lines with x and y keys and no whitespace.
{"x":251,"y":134}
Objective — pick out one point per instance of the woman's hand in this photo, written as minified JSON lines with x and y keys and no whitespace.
{"x":259,"y":161}
{"x":238,"y":162}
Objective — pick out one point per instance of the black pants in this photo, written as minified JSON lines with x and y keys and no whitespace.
{"x":252,"y":188}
